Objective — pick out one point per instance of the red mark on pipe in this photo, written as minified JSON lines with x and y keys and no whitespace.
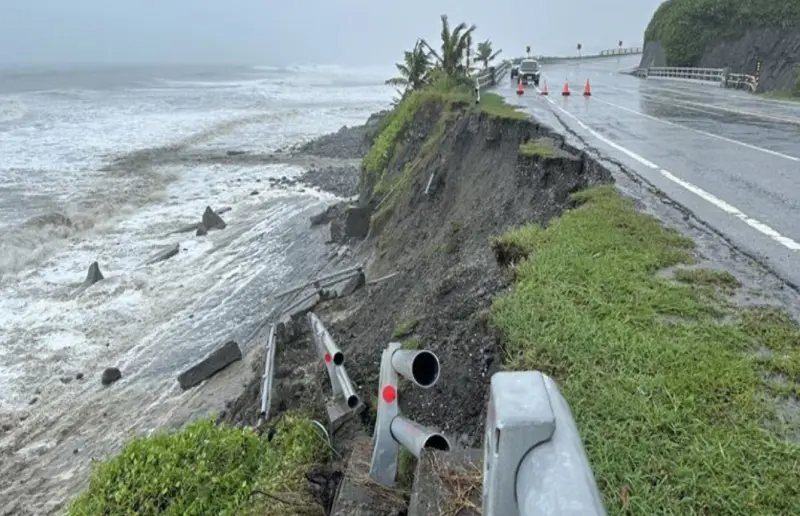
{"x":389,"y":394}
{"x":328,"y":358}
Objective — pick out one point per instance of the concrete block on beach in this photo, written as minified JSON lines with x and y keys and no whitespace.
{"x":211,"y":365}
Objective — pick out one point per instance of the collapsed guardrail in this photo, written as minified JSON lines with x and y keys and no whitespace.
{"x":722,"y":76}
{"x":344,"y":398}
{"x":392,"y":429}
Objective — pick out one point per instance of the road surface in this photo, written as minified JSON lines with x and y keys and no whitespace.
{"x":732,"y":158}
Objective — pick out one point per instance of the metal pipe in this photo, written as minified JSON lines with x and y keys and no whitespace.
{"x":348,"y":392}
{"x":321,"y":279}
{"x":421,"y":367}
{"x":415,"y":437}
{"x":266,"y":385}
{"x":325,"y":341}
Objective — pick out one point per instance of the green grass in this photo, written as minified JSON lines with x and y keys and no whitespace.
{"x":672,"y":399}
{"x":413,"y":344}
{"x":494,"y":105}
{"x":686,"y":28}
{"x":404,"y":329}
{"x":707,"y":277}
{"x":205,"y":469}
{"x":536,"y":148}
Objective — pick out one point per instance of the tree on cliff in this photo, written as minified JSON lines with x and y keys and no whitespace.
{"x":453,"y":56}
{"x":485,"y":54}
{"x":414,"y":69}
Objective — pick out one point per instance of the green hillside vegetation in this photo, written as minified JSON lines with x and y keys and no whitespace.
{"x":685,"y":28}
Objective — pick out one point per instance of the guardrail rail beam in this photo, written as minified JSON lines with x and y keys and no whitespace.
{"x":534,"y":461}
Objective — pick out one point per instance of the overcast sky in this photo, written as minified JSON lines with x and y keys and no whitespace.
{"x":348,"y":32}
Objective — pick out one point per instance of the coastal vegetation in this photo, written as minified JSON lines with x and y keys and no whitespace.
{"x":685,"y":28}
{"x":208,"y":468}
{"x":682,"y":397}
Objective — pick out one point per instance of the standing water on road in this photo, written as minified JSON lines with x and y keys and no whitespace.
{"x":103,"y":164}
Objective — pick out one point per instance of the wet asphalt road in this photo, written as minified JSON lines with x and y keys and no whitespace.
{"x":730,"y":157}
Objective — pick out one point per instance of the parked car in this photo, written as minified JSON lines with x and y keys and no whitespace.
{"x":529,"y":71}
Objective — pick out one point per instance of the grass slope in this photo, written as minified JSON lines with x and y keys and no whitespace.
{"x":686,"y":28}
{"x":206,"y":469}
{"x":672,"y":386}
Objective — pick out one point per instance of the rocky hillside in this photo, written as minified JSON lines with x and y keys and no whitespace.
{"x":728,"y":33}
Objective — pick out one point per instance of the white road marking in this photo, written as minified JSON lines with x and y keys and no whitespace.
{"x":704,"y":133}
{"x":706,"y":196}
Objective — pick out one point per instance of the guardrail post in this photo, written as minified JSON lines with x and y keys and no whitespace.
{"x":391,"y":428}
{"x":266,"y":378}
{"x":726,"y":72}
{"x":344,"y":397}
{"x":534,"y":461}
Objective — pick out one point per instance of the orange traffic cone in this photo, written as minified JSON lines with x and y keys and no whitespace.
{"x":565,"y":92}
{"x":544,"y":90}
{"x":587,"y":89}
{"x":520,"y":89}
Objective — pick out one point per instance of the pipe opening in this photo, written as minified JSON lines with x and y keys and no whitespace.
{"x":353,"y":401}
{"x":338,"y":358}
{"x":425,"y":368}
{"x":437,"y":442}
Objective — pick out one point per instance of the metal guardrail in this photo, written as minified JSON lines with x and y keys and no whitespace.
{"x":492,"y":75}
{"x":344,"y":397}
{"x":534,"y":461}
{"x":722,"y":76}
{"x":621,"y":51}
{"x":392,"y":429}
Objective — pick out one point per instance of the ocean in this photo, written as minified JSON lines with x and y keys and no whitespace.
{"x":103,"y":164}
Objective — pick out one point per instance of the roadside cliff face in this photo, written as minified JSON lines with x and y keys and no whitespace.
{"x":728,"y":33}
{"x":777,"y":50}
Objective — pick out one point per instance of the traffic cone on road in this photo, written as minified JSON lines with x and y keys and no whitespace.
{"x":565,"y":92}
{"x":520,"y":89}
{"x":587,"y":89}
{"x":544,"y":90}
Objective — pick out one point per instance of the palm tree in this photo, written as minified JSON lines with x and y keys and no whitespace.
{"x":413,"y":70}
{"x":485,"y":54}
{"x":453,"y":57}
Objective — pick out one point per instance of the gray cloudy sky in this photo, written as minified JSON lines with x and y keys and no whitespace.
{"x":351,"y":32}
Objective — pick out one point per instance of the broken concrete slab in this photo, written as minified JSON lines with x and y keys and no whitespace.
{"x":94,"y":275}
{"x":448,"y":481}
{"x":336,"y":231}
{"x":164,"y":254}
{"x":209,"y":366}
{"x":212,"y":220}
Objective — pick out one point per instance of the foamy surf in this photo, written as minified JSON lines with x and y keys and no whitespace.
{"x":116,"y":199}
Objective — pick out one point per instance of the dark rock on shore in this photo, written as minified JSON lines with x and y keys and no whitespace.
{"x":94,"y":275}
{"x":201,"y":230}
{"x":110,"y":375}
{"x":330,"y":213}
{"x":212,"y":220}
{"x":209,"y":366}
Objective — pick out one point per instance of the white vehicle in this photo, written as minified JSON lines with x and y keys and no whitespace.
{"x":529,"y":71}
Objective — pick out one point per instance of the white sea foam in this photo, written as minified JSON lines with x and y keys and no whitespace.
{"x":151,"y":321}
